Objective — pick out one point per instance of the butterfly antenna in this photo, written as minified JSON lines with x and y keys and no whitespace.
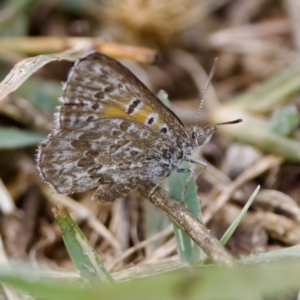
{"x":211,"y":74}
{"x":230,"y":122}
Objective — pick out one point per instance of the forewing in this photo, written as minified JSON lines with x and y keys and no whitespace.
{"x":99,"y":86}
{"x":106,"y":151}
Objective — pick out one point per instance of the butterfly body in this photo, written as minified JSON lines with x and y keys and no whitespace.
{"x":112,"y":133}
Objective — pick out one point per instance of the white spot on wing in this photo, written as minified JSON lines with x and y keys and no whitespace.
{"x":152,"y":118}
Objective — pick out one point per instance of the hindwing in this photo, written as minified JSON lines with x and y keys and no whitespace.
{"x":106,"y":151}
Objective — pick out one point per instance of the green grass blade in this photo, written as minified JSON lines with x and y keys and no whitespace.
{"x":284,"y":120}
{"x":11,"y":138}
{"x":229,"y":232}
{"x":33,"y":90}
{"x":285,"y":253}
{"x":265,"y":280}
{"x":86,"y":260}
{"x":188,"y":251}
{"x":271,"y":93}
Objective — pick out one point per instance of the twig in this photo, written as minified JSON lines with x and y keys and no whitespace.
{"x":189,"y":223}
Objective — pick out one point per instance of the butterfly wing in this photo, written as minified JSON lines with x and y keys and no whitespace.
{"x":105,"y":152}
{"x":99,"y":86}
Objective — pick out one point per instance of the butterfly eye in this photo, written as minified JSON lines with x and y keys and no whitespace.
{"x":194,"y":135}
{"x":201,"y":140}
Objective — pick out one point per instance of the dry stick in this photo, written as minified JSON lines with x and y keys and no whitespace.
{"x":189,"y":223}
{"x":259,"y":167}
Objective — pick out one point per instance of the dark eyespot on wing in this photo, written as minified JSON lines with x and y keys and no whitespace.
{"x":164,"y":130}
{"x":150,"y":121}
{"x":133,"y":106}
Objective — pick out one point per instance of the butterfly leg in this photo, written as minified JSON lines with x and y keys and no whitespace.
{"x":192,"y":170}
{"x":110,"y":192}
{"x":159,"y":182}
{"x":197,"y":162}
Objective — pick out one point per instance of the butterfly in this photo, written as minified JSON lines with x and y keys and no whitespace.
{"x":113,"y":133}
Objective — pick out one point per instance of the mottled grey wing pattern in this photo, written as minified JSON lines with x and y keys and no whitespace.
{"x":105,"y":152}
{"x":111,"y":132}
{"x":99,"y":86}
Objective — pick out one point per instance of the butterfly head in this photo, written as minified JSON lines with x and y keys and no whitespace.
{"x":201,"y":136}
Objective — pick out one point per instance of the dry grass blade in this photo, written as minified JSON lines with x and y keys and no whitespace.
{"x":25,"y":68}
{"x":7,"y":204}
{"x":37,"y":45}
{"x":141,"y":245}
{"x":10,"y":292}
{"x":85,"y":214}
{"x":293,"y":9}
{"x":274,"y":200}
{"x":261,"y":166}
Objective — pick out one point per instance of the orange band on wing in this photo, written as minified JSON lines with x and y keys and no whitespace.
{"x":140,"y":116}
